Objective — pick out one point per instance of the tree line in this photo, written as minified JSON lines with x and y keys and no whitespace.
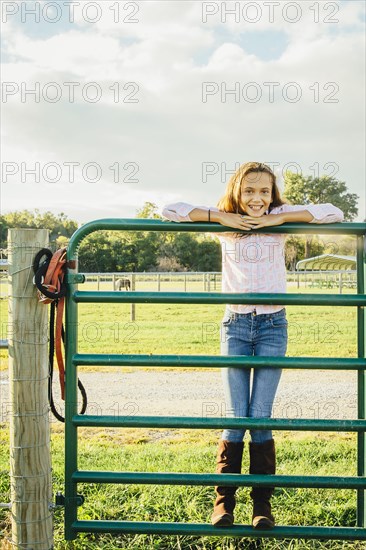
{"x":136,"y":251}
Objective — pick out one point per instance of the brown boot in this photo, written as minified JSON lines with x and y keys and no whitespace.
{"x":262,"y":461}
{"x":229,"y":457}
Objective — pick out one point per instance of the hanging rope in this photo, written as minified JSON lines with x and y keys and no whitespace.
{"x":49,"y":279}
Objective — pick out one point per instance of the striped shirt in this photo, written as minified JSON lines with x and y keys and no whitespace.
{"x":255,"y":263}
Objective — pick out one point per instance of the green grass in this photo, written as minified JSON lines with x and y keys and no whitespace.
{"x":194,"y":329}
{"x":301,"y":454}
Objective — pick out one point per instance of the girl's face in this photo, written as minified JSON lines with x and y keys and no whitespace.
{"x":256,"y":193}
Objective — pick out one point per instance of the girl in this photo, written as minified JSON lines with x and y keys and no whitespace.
{"x":251,"y":262}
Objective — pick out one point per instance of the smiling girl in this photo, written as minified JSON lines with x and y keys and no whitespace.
{"x":251,"y":263}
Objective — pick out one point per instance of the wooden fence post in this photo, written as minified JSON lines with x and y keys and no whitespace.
{"x":30,"y":458}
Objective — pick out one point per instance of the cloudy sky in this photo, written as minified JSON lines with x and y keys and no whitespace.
{"x":107,"y":105}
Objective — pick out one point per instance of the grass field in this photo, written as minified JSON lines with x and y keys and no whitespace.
{"x":195,"y":452}
{"x":194,"y":329}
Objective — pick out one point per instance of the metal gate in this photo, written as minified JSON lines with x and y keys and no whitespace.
{"x":73,"y":420}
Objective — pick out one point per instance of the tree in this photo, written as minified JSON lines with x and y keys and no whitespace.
{"x":62,"y":242}
{"x":185,"y":249}
{"x":208,"y":256}
{"x":95,"y":253}
{"x":344,"y":245}
{"x":308,"y":190}
{"x":148,"y":243}
{"x":149,"y":210}
{"x":179,"y":251}
{"x":294,"y":251}
{"x":166,"y":263}
{"x":58,"y":225}
{"x":112,"y":251}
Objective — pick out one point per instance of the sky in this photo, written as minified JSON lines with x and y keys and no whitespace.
{"x":107,"y":105}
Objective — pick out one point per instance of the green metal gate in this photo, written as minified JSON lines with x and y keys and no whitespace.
{"x":73,"y":420}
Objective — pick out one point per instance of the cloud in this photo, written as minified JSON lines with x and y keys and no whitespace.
{"x":171,"y":132}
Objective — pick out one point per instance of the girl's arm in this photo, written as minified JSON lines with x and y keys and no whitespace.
{"x":297,"y":216}
{"x":184,"y":212}
{"x":311,"y":213}
{"x":308,"y":213}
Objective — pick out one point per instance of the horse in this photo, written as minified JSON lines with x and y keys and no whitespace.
{"x":123,"y":282}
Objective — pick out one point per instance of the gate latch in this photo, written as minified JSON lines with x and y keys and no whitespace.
{"x":60,"y":499}
{"x":75,"y":278}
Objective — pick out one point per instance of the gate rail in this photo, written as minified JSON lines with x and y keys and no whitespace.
{"x":73,"y":476}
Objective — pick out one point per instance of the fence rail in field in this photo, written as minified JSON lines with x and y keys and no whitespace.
{"x":211,"y":280}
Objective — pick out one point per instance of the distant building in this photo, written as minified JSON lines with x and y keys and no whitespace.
{"x":327,"y":262}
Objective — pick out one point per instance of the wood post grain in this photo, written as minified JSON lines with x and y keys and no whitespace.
{"x":30,"y":458}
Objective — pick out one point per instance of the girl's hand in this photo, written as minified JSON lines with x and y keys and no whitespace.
{"x":264,"y":221}
{"x":247,"y":223}
{"x":233,"y":220}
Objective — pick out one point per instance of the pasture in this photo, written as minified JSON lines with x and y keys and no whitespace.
{"x":194,"y":451}
{"x":194,"y":329}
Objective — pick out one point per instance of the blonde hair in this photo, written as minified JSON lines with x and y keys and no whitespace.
{"x":230,"y":202}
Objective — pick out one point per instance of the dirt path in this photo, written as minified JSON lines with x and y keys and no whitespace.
{"x":301,"y":394}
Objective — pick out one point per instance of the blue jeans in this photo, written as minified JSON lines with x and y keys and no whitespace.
{"x":251,"y":334}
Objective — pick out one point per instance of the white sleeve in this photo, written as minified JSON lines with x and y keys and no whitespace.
{"x":178,"y":211}
{"x":322,"y":213}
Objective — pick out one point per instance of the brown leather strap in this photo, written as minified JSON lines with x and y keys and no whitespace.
{"x":53,"y":281}
{"x":58,"y":346}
